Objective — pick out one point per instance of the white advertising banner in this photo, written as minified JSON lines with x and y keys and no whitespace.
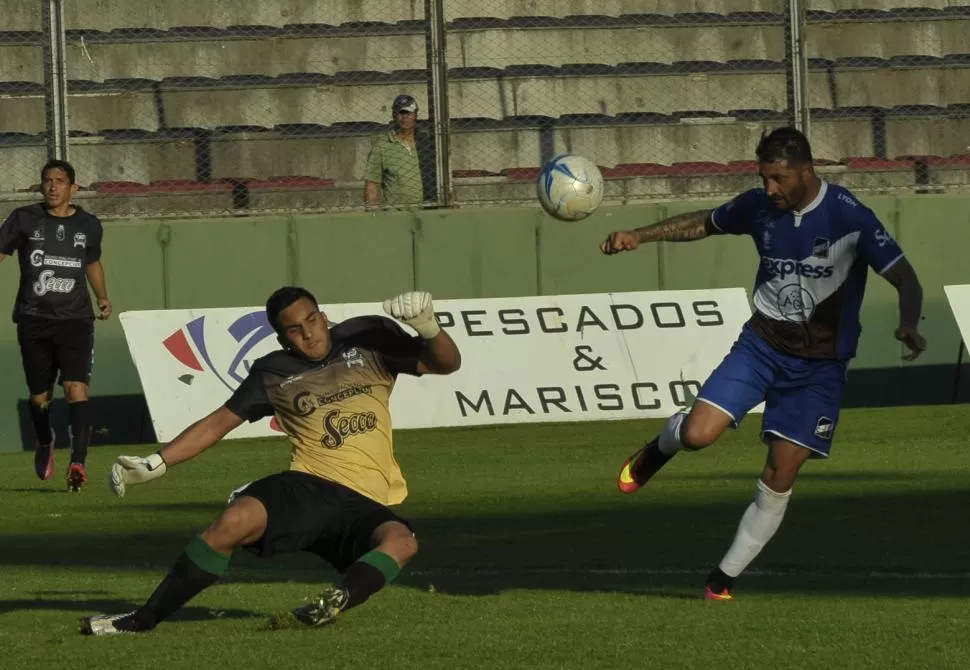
{"x":533,"y":359}
{"x":958,"y":296}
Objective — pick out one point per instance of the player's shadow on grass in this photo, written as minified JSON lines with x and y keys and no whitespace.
{"x":96,"y":606}
{"x":854,"y":476}
{"x":36,"y":490}
{"x":887,"y":542}
{"x":212,"y":507}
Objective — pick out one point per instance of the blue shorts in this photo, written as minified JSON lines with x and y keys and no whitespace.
{"x":802,"y":396}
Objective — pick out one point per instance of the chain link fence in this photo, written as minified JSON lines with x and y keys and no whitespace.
{"x":180,"y":108}
{"x":240,"y":107}
{"x":669,"y":98}
{"x":889,"y":91}
{"x":23,"y":96}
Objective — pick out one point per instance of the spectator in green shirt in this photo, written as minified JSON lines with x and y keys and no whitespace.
{"x":393,"y":173}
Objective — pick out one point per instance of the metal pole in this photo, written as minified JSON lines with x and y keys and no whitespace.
{"x":55,"y":79}
{"x":798,"y":63}
{"x":439,"y":96}
{"x":956,"y":378}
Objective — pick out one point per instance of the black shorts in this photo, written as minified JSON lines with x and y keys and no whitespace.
{"x":49,"y":346}
{"x":308,"y":513}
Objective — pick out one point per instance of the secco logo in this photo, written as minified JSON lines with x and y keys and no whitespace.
{"x":48,"y":283}
{"x":784,"y":267}
{"x":338,"y":427}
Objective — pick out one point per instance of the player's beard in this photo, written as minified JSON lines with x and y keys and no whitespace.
{"x":798,"y":193}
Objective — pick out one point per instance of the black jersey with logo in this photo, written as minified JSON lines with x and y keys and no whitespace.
{"x":54,"y":253}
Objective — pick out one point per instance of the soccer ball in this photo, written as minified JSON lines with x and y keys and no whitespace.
{"x":570,"y":187}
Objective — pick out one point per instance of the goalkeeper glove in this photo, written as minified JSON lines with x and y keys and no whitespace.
{"x":135,"y":470}
{"x":414,"y":308}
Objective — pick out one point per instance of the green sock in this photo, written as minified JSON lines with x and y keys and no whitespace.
{"x":206,"y":557}
{"x":368,"y":575}
{"x":387,"y":565}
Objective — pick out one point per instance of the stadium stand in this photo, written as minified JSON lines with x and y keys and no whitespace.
{"x":220,"y":94}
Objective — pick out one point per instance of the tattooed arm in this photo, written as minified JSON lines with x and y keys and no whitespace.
{"x":681,"y":228}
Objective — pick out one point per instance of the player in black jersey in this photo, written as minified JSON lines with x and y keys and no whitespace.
{"x":58,"y":245}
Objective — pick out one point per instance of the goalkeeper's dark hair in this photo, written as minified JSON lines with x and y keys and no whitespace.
{"x":283,"y":298}
{"x":784,"y":144}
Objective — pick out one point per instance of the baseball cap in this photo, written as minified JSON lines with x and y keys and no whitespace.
{"x":404,"y":103}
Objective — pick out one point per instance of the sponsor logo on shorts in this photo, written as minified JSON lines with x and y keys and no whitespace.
{"x":48,"y":283}
{"x":338,"y":426}
{"x":824,"y":428}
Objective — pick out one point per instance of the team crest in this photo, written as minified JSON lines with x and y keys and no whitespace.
{"x":60,"y":232}
{"x":353,"y":357}
{"x":820,"y":248}
{"x":824,"y":428}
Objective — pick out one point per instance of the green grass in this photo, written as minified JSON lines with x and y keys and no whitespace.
{"x":529,"y":557}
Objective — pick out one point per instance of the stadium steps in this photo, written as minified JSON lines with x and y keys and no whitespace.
{"x":338,"y":150}
{"x":263,"y":46}
{"x":521,"y":90}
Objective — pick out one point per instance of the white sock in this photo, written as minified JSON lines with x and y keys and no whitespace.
{"x":758,"y":525}
{"x":670,"y":442}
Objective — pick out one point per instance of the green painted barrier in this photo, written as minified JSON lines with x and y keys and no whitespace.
{"x":471,"y":253}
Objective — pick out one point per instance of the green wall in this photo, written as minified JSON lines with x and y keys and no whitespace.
{"x":469,"y":254}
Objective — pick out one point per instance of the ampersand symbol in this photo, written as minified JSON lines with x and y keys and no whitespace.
{"x":584,"y":361}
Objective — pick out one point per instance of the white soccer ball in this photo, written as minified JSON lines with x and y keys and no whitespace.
{"x":570,"y":187}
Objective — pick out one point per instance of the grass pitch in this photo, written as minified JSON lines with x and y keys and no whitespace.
{"x":529,"y":557}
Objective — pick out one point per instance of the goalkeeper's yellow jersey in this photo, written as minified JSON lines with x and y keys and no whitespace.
{"x":336,"y":412}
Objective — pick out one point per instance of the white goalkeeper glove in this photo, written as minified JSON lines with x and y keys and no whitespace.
{"x":414,"y":308}
{"x":135,"y":470}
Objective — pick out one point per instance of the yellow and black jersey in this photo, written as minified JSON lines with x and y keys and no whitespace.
{"x":336,"y":411}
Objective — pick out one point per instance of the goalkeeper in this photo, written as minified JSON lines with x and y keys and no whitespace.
{"x":329,"y":389}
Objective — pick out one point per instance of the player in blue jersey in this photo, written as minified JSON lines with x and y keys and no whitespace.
{"x":816,"y":242}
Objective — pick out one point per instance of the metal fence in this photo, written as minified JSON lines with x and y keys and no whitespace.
{"x":176,"y":108}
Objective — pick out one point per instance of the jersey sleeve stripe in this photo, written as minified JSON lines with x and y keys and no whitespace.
{"x":891,"y":263}
{"x":714,"y":220}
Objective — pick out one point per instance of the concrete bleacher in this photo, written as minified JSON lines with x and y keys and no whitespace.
{"x":228,"y":94}
{"x":144,"y":104}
